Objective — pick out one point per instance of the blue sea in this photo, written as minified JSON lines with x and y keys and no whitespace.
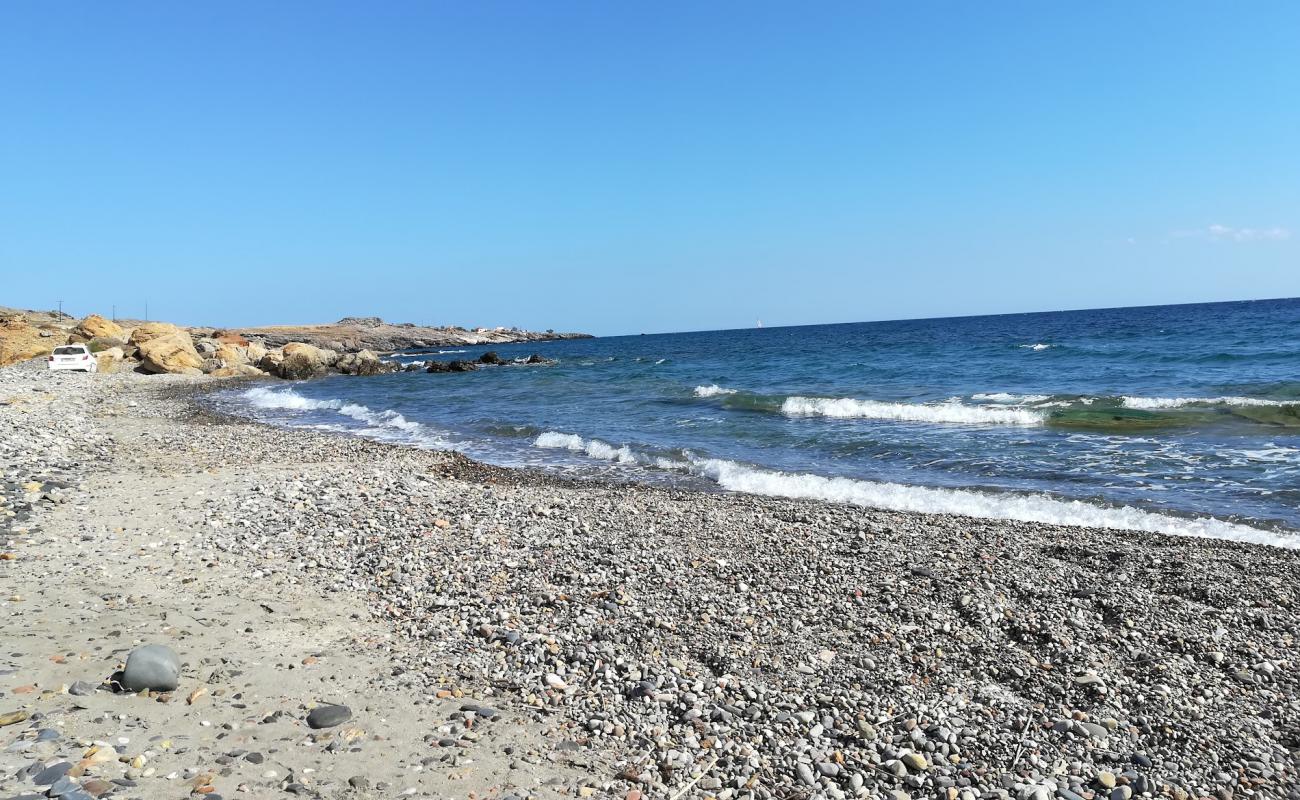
{"x":1178,"y":419}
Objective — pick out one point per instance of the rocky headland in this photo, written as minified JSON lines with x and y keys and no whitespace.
{"x":352,"y":346}
{"x":352,"y":619}
{"x":353,"y":334}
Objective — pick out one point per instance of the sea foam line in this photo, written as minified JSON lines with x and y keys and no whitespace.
{"x":1009,"y":399}
{"x":1026,"y":508}
{"x":1040,"y":508}
{"x":951,"y":412}
{"x":1152,"y":403}
{"x":382,"y":424}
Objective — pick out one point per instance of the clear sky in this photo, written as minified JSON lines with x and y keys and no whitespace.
{"x":620,"y":167}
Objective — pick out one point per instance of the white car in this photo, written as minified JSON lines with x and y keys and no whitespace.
{"x":74,"y":356}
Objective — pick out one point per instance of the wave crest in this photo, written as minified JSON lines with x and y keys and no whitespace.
{"x":923,"y":499}
{"x":594,"y":447}
{"x":386,"y":425}
{"x":1041,"y":508}
{"x":712,"y":390}
{"x":950,"y":412}
{"x":1155,"y":403}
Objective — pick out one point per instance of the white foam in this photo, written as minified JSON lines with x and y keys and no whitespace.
{"x":1037,"y":346}
{"x":261,"y":397}
{"x":1152,"y":403}
{"x":1009,"y":399}
{"x":382,"y":424}
{"x":712,"y":390}
{"x":950,"y":412}
{"x":593,"y":447}
{"x":1028,"y":508}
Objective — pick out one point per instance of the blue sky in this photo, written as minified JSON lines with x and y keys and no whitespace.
{"x":627,"y":167}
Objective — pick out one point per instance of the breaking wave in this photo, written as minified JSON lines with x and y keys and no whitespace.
{"x":1028,"y":508}
{"x":386,"y":425}
{"x":1040,"y":508}
{"x":1155,"y":403}
{"x":594,"y":447}
{"x":950,"y":412}
{"x":1009,"y":399}
{"x":286,"y":399}
{"x":712,"y":390}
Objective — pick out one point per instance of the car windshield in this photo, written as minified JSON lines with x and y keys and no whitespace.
{"x":69,"y":351}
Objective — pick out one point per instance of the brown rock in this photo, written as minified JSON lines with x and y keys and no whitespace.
{"x":231,"y":355}
{"x":303,"y":361}
{"x":152,"y":330}
{"x":171,"y":352}
{"x":238,"y":371}
{"x":96,"y":327}
{"x":20,"y":341}
{"x":255,"y":352}
{"x":230,"y":338}
{"x":109,"y":359}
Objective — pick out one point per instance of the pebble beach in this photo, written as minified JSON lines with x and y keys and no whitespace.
{"x":356,"y":619}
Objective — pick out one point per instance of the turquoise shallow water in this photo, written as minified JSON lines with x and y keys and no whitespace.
{"x":1184,"y":419}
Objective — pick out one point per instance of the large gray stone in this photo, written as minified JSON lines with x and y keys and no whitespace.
{"x":153,"y":666}
{"x":328,"y":716}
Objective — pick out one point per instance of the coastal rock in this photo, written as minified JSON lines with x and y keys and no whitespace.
{"x":372,"y":333}
{"x":152,"y":667}
{"x":254,"y":352}
{"x":170,"y":352}
{"x":20,"y":341}
{"x":96,"y":327}
{"x":302,"y":361}
{"x":238,"y":371}
{"x":231,"y":355}
{"x":270,"y":362}
{"x":148,"y":331}
{"x":451,"y":366}
{"x":363,"y":363}
{"x":327,"y":716}
{"x":490,"y":357}
{"x":205,"y":346}
{"x":108,"y":360}
{"x":230,"y":338}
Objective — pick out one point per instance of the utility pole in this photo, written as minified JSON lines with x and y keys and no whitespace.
{"x":60,"y":308}
{"x":146,"y":311}
{"x":115,"y":312}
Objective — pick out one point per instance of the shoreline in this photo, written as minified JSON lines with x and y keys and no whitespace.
{"x":723,"y":475}
{"x":648,"y":639}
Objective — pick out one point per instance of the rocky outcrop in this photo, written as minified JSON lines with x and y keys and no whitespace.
{"x":227,"y":337}
{"x":300,"y":361}
{"x":363,"y":363}
{"x":231,"y":355}
{"x":488,"y":359}
{"x":352,"y":334}
{"x":148,"y":331}
{"x":20,"y":341}
{"x":170,"y":352}
{"x":451,"y":366}
{"x":96,"y":327}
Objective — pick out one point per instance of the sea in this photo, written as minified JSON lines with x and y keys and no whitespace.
{"x":1174,"y":419}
